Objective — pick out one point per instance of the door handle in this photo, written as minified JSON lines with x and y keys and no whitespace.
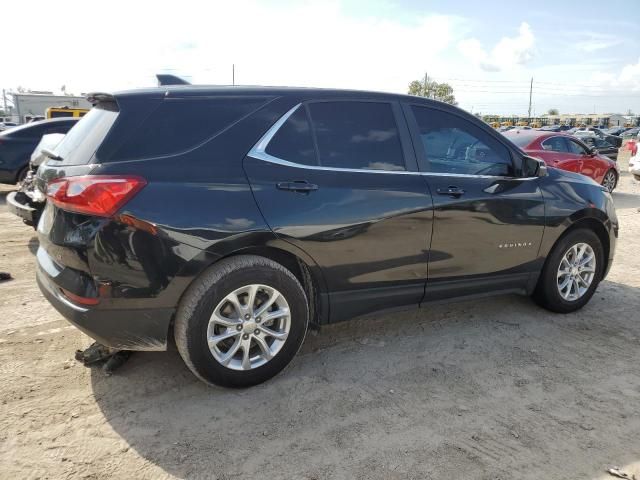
{"x":451,"y":190}
{"x":301,"y":186}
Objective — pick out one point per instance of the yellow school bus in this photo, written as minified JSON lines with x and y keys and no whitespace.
{"x":57,"y":112}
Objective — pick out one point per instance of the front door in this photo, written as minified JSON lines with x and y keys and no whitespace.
{"x":590,"y":165}
{"x":488,"y":223}
{"x":338,"y":179}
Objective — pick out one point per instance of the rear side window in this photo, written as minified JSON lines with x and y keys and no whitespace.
{"x":293,"y":142}
{"x":555,"y":144}
{"x":177,"y":125}
{"x":359,"y":135}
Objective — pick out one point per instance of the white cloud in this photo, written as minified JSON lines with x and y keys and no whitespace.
{"x":586,"y":41}
{"x":627,"y":80}
{"x":305,"y":44}
{"x":506,"y":54}
{"x":630,"y":75}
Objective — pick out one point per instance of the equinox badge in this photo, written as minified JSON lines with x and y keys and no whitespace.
{"x":516,"y":245}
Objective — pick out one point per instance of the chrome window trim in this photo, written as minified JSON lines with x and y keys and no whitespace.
{"x":258,"y":151}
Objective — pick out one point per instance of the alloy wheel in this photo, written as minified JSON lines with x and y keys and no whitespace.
{"x":249,"y":327}
{"x":576,"y":271}
{"x":609,"y":181}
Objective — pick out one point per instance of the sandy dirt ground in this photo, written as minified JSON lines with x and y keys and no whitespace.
{"x":490,"y":389}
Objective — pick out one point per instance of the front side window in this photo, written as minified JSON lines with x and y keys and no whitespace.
{"x":455,"y":145}
{"x":293,"y":142}
{"x":357,"y":135}
{"x":576,"y":148}
{"x":555,"y":144}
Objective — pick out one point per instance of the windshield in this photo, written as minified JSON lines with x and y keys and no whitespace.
{"x":82,"y":141}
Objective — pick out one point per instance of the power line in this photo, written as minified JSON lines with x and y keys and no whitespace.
{"x":523,"y":82}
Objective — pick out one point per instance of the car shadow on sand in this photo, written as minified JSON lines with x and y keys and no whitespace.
{"x":625,"y":200}
{"x":464,"y":389}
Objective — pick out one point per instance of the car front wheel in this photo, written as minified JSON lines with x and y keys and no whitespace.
{"x":242,"y":322}
{"x":571,"y":273}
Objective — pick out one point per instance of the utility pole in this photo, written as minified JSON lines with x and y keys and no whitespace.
{"x":426,"y":78}
{"x":233,"y":74}
{"x":530,"y":95}
{"x":4,"y":99}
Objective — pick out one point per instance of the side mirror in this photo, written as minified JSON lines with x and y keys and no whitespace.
{"x":533,"y":167}
{"x":592,"y":152}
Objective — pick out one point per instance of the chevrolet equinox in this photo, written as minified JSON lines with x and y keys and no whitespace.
{"x":239,"y":217}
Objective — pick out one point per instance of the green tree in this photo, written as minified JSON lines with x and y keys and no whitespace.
{"x":432,"y":89}
{"x":553,"y":111}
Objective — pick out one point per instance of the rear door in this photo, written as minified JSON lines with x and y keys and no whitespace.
{"x":557,"y":154}
{"x":488,"y":222}
{"x":339,"y":180}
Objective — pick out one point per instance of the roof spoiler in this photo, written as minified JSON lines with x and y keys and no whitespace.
{"x":168,"y":79}
{"x":97,"y":97}
{"x":106,"y":100}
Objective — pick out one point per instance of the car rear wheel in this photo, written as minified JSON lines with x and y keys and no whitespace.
{"x":610,"y":180}
{"x":242,"y":322}
{"x":571,"y":273}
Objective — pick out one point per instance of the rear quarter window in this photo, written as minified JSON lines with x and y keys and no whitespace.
{"x":178,"y":125}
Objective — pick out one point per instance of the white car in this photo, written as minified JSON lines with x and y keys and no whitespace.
{"x":634,"y":161}
{"x":584,"y":133}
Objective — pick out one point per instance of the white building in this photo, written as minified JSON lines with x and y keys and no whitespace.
{"x":33,"y":104}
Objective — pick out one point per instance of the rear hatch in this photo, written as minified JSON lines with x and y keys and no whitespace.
{"x":64,"y":233}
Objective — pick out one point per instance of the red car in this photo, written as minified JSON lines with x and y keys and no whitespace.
{"x":566,"y":152}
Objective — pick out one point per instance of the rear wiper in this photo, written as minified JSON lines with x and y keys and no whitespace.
{"x":51,"y":155}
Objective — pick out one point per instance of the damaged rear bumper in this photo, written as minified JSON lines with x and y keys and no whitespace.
{"x":19,"y":204}
{"x":135,"y":329}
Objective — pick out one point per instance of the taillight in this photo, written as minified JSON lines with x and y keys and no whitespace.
{"x":99,"y":195}
{"x":78,"y":299}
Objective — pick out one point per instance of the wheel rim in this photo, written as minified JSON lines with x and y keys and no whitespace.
{"x":576,"y":271}
{"x":609,"y":181}
{"x":249,"y":327}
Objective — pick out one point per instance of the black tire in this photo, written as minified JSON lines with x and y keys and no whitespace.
{"x":615,"y":174}
{"x":547,"y":294}
{"x":209,"y":290}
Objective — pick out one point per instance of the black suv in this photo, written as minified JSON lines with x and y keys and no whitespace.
{"x":239,"y":217}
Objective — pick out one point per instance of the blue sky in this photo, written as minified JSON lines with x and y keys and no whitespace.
{"x":583,"y":56}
